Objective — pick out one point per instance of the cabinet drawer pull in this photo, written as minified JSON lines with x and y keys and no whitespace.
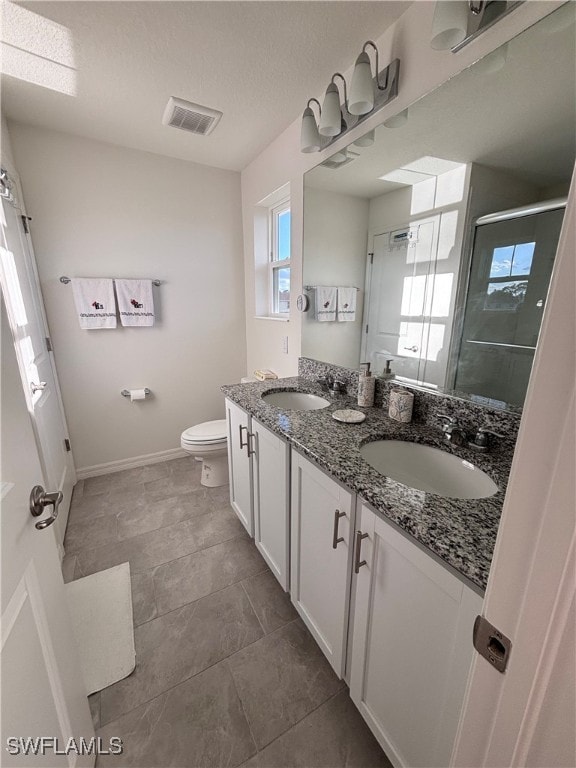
{"x":242,"y":443}
{"x":357,"y":562}
{"x":249,"y":444}
{"x":335,"y":538}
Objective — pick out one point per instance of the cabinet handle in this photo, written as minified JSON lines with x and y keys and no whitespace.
{"x":242,"y":443}
{"x":357,"y":562}
{"x":249,"y":438}
{"x":335,"y":538}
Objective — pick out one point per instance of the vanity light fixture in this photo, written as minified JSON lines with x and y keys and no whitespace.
{"x":458,"y":22}
{"x":367,"y":95}
{"x":363,"y":86}
{"x":310,"y":140}
{"x":332,"y":121}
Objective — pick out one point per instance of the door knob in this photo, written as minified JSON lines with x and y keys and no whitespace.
{"x":38,"y":387}
{"x":40,"y":499}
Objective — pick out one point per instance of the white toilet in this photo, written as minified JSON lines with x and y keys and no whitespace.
{"x":208,"y":443}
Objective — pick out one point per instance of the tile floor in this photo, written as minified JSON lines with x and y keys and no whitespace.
{"x":226,"y":673}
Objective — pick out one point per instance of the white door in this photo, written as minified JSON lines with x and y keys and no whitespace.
{"x":411,"y":648}
{"x":43,"y":693}
{"x":321,"y":557}
{"x":240,"y":447}
{"x":398,"y":303}
{"x":272,"y":501}
{"x":525,"y":717}
{"x":29,"y":330}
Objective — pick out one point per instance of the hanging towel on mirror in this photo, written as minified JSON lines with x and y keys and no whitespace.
{"x":346,"y":304}
{"x":325,"y":303}
{"x":94,"y":301}
{"x":135,"y":302}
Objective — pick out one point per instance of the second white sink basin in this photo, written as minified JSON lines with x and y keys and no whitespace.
{"x":428,"y":469}
{"x":295,"y":401}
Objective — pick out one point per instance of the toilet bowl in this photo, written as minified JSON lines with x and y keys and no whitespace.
{"x":208,"y":443}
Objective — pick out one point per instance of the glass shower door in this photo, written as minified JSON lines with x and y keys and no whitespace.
{"x":510,"y":273}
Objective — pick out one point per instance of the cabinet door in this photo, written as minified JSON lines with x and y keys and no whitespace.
{"x":412,"y":646}
{"x":322,"y":511}
{"x":271,"y":500}
{"x":240,"y":464}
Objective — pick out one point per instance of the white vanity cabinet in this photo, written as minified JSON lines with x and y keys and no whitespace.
{"x":271,"y":485}
{"x":240,"y":464}
{"x":259,"y":466}
{"x":321,"y":555}
{"x":411,"y":645}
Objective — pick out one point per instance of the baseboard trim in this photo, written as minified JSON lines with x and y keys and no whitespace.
{"x":137,"y":461}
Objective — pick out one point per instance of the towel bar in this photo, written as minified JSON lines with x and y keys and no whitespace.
{"x":66,"y":280}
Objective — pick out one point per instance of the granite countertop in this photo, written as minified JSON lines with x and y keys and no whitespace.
{"x":462,"y":532}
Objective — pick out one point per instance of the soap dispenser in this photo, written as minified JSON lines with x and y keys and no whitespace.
{"x":366,"y":386}
{"x":388,"y":373}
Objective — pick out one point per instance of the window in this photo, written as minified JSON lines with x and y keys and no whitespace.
{"x":279,"y":263}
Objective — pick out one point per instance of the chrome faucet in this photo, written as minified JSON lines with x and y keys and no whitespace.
{"x":453,"y":432}
{"x":334,"y":386}
{"x":481,"y":441}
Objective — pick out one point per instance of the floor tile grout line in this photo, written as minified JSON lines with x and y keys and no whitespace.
{"x":252,"y":606}
{"x":220,"y":661}
{"x":308,"y":714}
{"x":160,"y":565}
{"x":215,"y":592}
{"x":144,"y":533}
{"x":169,"y":525}
{"x":249,"y":724}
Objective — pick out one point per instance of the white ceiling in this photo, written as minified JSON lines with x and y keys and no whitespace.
{"x":520,"y":118}
{"x":257,"y":62}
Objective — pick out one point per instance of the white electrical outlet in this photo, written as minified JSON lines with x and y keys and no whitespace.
{"x":285,"y":344}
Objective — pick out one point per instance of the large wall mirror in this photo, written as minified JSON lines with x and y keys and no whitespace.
{"x":446,"y":222}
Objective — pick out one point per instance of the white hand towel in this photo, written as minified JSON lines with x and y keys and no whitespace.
{"x":94,"y":300}
{"x":135,"y":302}
{"x":325,"y":303}
{"x":346,"y":304}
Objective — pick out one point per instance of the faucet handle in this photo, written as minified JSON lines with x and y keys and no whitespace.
{"x":450,"y":419}
{"x":480,"y":441}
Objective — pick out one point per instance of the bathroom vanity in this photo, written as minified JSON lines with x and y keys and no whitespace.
{"x":387,"y":578}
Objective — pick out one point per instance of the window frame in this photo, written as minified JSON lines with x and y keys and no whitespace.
{"x":274,"y":262}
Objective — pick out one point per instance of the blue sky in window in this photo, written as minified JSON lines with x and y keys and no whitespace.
{"x":284,"y":236}
{"x":512,"y":260}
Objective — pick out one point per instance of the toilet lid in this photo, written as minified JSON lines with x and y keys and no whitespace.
{"x":207,"y":432}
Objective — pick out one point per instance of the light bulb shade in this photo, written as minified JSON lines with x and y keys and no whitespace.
{"x":397,"y":120}
{"x":309,"y":136}
{"x":361,"y":99}
{"x":365,"y":141}
{"x":331,"y":119}
{"x":450,"y":24}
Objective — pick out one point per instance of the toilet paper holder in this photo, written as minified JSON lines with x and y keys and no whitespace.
{"x":126,"y":392}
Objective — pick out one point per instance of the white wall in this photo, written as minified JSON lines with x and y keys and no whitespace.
{"x":103,"y":210}
{"x":336,"y":235}
{"x":422,"y":69}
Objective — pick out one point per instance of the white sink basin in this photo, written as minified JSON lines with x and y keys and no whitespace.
{"x":428,"y":469}
{"x":295,"y":401}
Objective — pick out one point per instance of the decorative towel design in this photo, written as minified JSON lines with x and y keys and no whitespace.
{"x":346,"y":304}
{"x":325,"y":303}
{"x":135,"y":302}
{"x":94,"y":300}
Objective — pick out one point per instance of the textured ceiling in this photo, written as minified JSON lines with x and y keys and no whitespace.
{"x":105,"y":70}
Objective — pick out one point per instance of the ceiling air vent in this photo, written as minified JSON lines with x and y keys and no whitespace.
{"x":190,"y":117}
